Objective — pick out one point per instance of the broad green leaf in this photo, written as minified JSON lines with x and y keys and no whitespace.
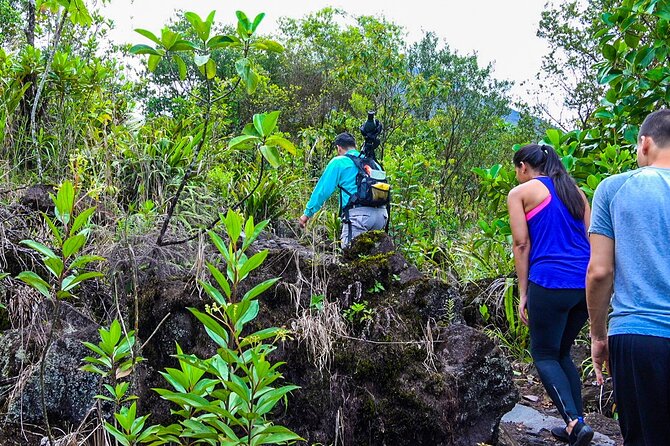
{"x":80,"y":278}
{"x":239,"y":388}
{"x":35,"y":282}
{"x":554,"y":137}
{"x":54,"y":230}
{"x":260,"y":288}
{"x":249,"y":76}
{"x":220,"y":279}
{"x":189,"y":399}
{"x":210,"y":18}
{"x":81,"y":219}
{"x":143,"y":49}
{"x":249,"y":314}
{"x":272,"y":155}
{"x":242,"y":18}
{"x":609,"y":52}
{"x":168,"y":38}
{"x":265,"y":123}
{"x":79,"y":15}
{"x":103,"y":361}
{"x":114,"y":332}
{"x":213,"y":293}
{"x":153,"y":62}
{"x":645,"y":57}
{"x":176,"y":378}
{"x":251,"y":236}
{"x":213,"y":328}
{"x":259,"y":45}
{"x":249,"y":228}
{"x":37,"y":246}
{"x":218,"y":242}
{"x":242,"y":67}
{"x":210,"y":69}
{"x":73,"y":244}
{"x":184,"y":45}
{"x":149,"y":35}
{"x":272,"y":46}
{"x":65,"y":201}
{"x":54,"y":265}
{"x":61,"y":295}
{"x":259,"y":336}
{"x":201,"y":60}
{"x":220,"y":41}
{"x":252,"y":81}
{"x":201,"y":28}
{"x":94,"y":348}
{"x":250,"y":129}
{"x":284,"y":143}
{"x":120,"y":436}
{"x":82,"y":261}
{"x":181,"y":66}
{"x":281,"y":438}
{"x":243,"y":142}
{"x":257,"y":21}
{"x":252,"y":263}
{"x":148,"y":432}
{"x":270,"y":399}
{"x":592,"y":181}
{"x":233,"y":223}
{"x":235,"y":311}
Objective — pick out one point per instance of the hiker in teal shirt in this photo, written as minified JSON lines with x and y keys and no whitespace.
{"x":341,"y":172}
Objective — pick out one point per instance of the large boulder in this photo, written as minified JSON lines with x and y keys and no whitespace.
{"x":410,"y":373}
{"x":404,"y":370}
{"x":400,"y":368}
{"x":68,"y":392}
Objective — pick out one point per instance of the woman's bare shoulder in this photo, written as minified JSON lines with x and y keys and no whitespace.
{"x":531,"y":186}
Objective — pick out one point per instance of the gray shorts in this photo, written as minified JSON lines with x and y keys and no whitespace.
{"x":363,"y":219}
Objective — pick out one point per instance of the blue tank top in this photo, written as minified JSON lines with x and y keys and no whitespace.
{"x":559,"y":246}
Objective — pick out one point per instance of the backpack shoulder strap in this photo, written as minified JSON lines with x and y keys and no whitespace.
{"x":358,"y":161}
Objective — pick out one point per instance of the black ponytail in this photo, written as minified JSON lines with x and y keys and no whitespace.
{"x":545,"y":159}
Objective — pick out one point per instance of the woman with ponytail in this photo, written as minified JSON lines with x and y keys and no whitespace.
{"x":549,"y":217}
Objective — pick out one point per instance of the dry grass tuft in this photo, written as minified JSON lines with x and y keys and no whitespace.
{"x":319,"y":329}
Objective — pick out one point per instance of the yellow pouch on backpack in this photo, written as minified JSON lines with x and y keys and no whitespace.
{"x":380,"y":191}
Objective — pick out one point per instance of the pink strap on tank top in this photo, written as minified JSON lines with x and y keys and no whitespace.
{"x":536,"y":210}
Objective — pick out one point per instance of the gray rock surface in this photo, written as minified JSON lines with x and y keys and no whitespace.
{"x":535,"y":422}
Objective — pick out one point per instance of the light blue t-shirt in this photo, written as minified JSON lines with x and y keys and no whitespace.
{"x":633,"y":209}
{"x":340,"y":171}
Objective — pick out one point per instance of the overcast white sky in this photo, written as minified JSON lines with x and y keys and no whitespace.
{"x":500,"y":31}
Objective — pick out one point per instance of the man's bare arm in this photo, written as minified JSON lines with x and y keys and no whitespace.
{"x":599,"y":282}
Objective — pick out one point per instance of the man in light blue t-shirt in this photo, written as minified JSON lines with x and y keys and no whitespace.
{"x":630,"y":264}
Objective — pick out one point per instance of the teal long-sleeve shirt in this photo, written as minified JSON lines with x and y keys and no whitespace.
{"x":340,"y":171}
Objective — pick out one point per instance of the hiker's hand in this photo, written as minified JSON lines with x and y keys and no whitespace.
{"x":599,"y":355}
{"x":303,"y":220}
{"x":522,"y":309}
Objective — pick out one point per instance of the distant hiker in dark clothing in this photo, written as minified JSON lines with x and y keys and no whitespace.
{"x":342,"y":172}
{"x":630,"y":265}
{"x":548,"y":217}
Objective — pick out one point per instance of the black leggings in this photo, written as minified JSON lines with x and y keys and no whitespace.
{"x":555,"y":318}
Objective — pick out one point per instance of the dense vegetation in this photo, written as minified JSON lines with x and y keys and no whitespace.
{"x":221,"y":116}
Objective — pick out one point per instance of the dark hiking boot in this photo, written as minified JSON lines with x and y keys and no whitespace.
{"x":581,"y":434}
{"x":560,"y":434}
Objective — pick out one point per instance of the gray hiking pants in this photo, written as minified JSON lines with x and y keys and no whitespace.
{"x":363,"y":219}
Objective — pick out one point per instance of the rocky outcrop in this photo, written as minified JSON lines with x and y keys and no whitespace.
{"x":401,"y":368}
{"x":68,"y":391}
{"x":406,"y":370}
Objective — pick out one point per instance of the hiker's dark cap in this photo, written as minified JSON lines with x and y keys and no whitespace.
{"x":345,"y":140}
